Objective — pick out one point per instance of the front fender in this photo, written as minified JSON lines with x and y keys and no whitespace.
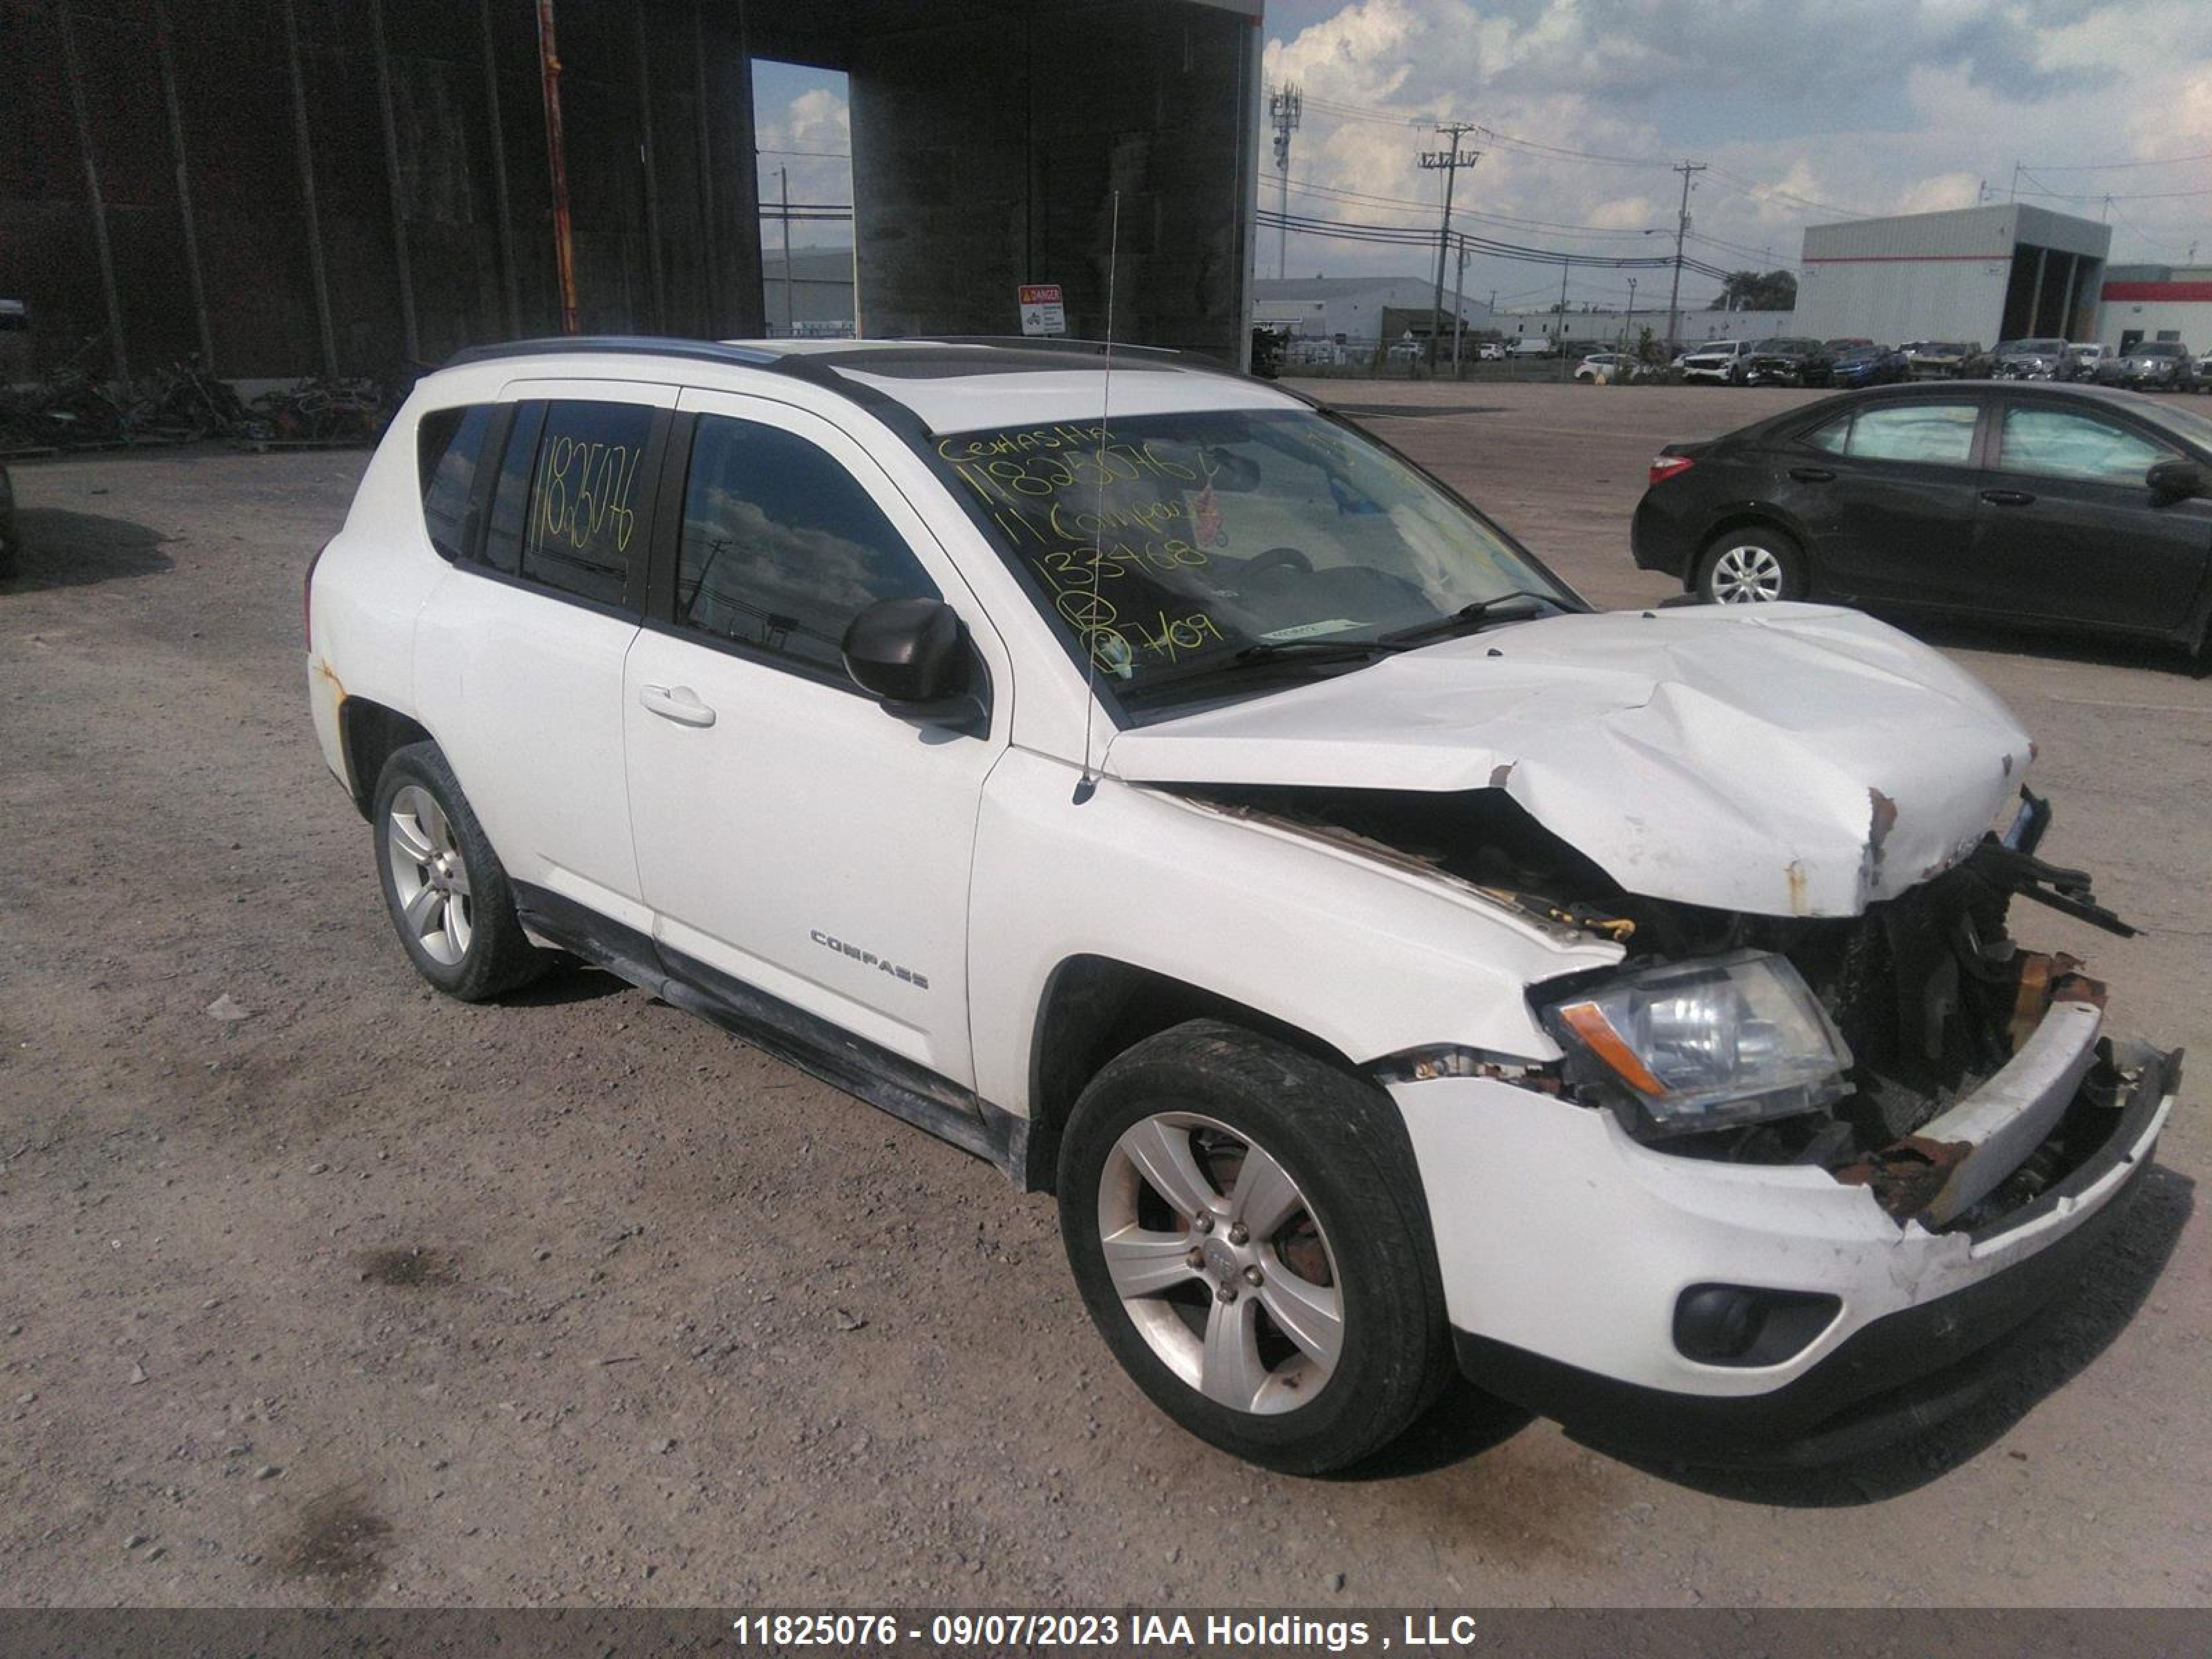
{"x":1368,"y":957}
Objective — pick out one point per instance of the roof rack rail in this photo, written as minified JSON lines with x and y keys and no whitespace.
{"x":1065,"y":344}
{"x":648,"y":345}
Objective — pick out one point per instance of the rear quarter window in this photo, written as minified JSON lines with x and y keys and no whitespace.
{"x":448,"y":448}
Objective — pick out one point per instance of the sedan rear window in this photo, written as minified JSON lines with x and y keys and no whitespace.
{"x":1939,"y":435}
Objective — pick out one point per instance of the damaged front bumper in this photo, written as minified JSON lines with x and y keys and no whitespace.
{"x":1570,"y":1252}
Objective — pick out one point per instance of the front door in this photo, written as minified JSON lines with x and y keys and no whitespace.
{"x":792,"y":836}
{"x":2068,"y":530}
{"x":1886,"y":494}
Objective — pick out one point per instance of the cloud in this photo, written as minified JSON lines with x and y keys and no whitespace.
{"x":1806,"y":110}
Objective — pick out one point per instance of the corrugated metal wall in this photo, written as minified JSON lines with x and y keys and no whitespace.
{"x":188,"y":111}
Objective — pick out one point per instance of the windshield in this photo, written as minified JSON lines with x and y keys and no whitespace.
{"x":2158,"y":348}
{"x":1192,"y":544}
{"x":2040,"y":347}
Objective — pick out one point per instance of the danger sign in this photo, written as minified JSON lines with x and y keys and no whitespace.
{"x":1042,"y":310}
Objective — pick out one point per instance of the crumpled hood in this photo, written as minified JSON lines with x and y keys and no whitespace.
{"x":1782,"y":759}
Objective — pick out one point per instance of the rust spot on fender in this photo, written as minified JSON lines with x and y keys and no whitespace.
{"x":1795,"y":872}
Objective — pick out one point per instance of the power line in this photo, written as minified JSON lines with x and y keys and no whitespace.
{"x":2115,"y":167}
{"x":1752,"y":187}
{"x":2102,"y":195}
{"x":1400,"y":204}
{"x":1414,"y":236}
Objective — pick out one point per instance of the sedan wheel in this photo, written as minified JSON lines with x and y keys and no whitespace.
{"x":1219,"y":1263}
{"x":1751,"y":564}
{"x":1745,"y":574}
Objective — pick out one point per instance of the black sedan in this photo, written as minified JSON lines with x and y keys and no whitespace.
{"x":2022,"y":499}
{"x":1785,"y":361}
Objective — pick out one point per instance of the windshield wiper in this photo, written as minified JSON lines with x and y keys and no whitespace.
{"x":1266,"y":654}
{"x":1466,"y":617}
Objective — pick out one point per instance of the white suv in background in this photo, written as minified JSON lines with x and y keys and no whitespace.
{"x":1158,"y":786}
{"x":1722,"y":360}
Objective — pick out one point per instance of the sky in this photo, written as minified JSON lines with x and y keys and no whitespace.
{"x":1804,"y":111}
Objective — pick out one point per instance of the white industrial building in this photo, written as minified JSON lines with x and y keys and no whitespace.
{"x":2005,"y":271}
{"x":1692,"y":328}
{"x":1357,"y":313}
{"x":2156,"y":302}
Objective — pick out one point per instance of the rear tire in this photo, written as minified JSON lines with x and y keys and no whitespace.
{"x":1311,"y":1337}
{"x":1756,"y":564}
{"x":444,"y":888}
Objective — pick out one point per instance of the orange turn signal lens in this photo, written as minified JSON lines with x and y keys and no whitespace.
{"x":1587,"y":1021}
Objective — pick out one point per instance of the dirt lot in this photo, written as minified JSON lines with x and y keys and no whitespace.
{"x":371,"y":1295}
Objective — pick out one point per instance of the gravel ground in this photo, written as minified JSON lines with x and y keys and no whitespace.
{"x":322,"y":1288}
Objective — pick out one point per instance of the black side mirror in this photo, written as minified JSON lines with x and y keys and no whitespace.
{"x":914,"y":654}
{"x":2175,"y":481}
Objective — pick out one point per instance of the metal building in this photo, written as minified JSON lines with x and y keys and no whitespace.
{"x":2157,"y":302}
{"x":2005,"y":271}
{"x":363,"y":186}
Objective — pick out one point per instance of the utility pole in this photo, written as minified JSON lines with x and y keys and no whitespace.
{"x":1560,"y":341}
{"x":2013,"y":195}
{"x":1459,"y":305}
{"x":1285,"y":106}
{"x":1628,"y":328}
{"x":783,"y":189}
{"x":1450,"y":159}
{"x":1681,"y":230}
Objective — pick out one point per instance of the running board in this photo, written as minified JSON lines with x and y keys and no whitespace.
{"x":867,"y":1070}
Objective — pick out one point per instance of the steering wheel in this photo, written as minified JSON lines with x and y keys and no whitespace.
{"x":1286,"y":558}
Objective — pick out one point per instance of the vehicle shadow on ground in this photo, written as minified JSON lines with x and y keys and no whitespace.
{"x":2035,"y":1361}
{"x":1464,"y":1422}
{"x":570,"y":982}
{"x":76,"y":549}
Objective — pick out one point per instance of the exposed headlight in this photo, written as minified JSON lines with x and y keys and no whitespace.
{"x":1699,"y":1044}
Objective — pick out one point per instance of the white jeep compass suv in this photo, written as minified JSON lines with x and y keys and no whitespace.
{"x":1145,"y":780}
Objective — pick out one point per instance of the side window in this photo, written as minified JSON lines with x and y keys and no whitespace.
{"x":2059,"y":443}
{"x":510,"y":499}
{"x":1834,"y":436}
{"x":583,"y":527}
{"x":781,"y":547}
{"x":448,"y":447}
{"x":1940,"y":434}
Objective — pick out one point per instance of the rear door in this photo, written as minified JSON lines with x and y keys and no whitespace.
{"x":1885,"y":492}
{"x":519,"y":654}
{"x":2066,"y":529}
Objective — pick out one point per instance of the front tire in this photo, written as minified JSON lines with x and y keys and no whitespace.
{"x":444,"y":888}
{"x":1249,"y":1232}
{"x":1755,"y":565}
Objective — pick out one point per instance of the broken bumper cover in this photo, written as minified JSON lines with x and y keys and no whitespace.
{"x":1566,"y":1247}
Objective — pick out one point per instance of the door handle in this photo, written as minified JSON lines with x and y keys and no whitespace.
{"x":2007,"y":498}
{"x":1812,"y":474}
{"x":678,"y":703}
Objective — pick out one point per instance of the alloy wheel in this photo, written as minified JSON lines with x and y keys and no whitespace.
{"x":1220,"y":1263}
{"x":1749,"y":575}
{"x":429,"y":878}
